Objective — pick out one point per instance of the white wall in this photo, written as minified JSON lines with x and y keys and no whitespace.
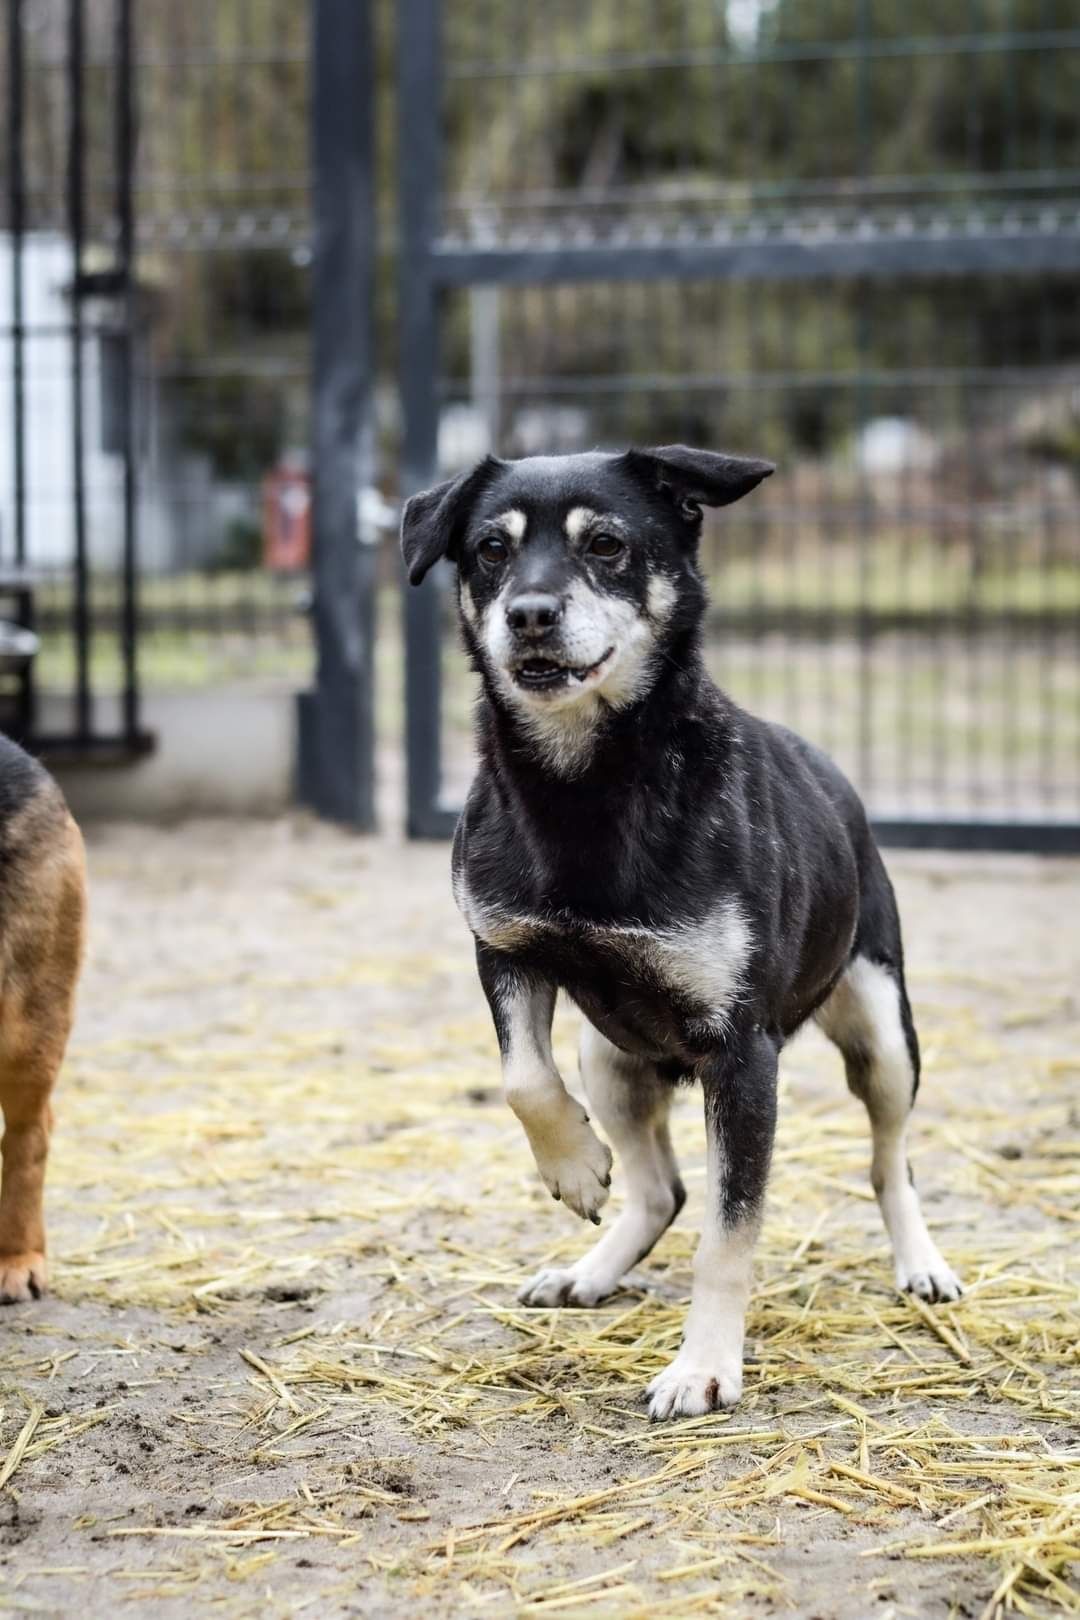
{"x":168,"y":534}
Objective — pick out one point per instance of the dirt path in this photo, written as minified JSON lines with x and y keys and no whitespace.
{"x":282,"y":1370}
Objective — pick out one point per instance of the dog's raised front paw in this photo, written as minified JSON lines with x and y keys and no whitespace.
{"x":691,"y":1387}
{"x":574,"y":1163}
{"x":554,"y":1287}
{"x":22,"y":1277}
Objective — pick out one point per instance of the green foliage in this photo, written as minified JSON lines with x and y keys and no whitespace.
{"x":241,"y":548}
{"x":233,"y":418}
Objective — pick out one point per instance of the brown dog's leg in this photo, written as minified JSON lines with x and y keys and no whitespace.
{"x":27,"y":1120}
{"x":40,"y":954}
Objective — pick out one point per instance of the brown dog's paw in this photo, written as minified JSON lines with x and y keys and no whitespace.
{"x":22,"y":1277}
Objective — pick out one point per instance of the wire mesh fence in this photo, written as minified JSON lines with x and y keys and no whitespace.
{"x":758,"y":117}
{"x":859,"y":209}
{"x":907,"y":588}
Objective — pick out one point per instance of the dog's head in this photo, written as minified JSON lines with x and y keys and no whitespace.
{"x":574,"y":572}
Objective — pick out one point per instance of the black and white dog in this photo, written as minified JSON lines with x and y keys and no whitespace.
{"x":698,"y":881}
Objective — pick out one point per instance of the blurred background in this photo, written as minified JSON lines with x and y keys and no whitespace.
{"x":844,"y":234}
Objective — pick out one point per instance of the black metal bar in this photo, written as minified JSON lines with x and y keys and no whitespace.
{"x":125,"y":213}
{"x":76,"y":50}
{"x":25,"y":709}
{"x":1026,"y":252}
{"x":58,"y":749}
{"x":336,"y":767}
{"x":864,"y":537}
{"x":419,"y":149}
{"x":1007,"y":837}
{"x":17,"y":221}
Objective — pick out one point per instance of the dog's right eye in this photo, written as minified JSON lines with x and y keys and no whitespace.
{"x":492,"y":551}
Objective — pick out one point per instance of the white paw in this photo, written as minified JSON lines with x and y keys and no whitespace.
{"x":692,"y":1386}
{"x":554,"y":1287}
{"x":575,"y":1164}
{"x":930,"y":1279}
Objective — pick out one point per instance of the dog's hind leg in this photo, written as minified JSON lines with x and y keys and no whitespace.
{"x":869,"y":1018}
{"x":631,"y":1102}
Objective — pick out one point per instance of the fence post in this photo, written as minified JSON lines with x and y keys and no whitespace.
{"x":420,"y":159}
{"x":336,"y":756}
{"x":126,"y":135}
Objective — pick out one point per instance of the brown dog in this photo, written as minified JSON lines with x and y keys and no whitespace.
{"x":42,"y":910}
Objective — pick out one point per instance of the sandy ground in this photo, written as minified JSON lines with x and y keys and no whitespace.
{"x":282,"y":1370}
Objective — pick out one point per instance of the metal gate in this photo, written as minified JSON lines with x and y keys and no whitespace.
{"x":845,"y":235}
{"x":68,"y":416}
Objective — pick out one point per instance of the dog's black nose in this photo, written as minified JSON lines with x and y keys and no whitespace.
{"x":534,"y":614}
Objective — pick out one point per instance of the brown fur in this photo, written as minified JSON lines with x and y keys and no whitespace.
{"x":42,"y":911}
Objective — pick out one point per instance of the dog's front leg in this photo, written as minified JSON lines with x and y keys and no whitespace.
{"x":574,"y":1163}
{"x":740,"y":1121}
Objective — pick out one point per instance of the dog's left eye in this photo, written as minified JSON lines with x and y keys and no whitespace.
{"x":492,"y":551}
{"x":605,"y":545}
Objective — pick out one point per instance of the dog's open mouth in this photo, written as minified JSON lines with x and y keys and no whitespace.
{"x":540,"y":674}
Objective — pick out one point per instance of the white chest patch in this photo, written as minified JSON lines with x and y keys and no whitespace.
{"x":703,"y":963}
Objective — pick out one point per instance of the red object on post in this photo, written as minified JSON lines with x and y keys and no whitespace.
{"x":287,"y":520}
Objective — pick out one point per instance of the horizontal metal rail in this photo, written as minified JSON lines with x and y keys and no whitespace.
{"x":1001,"y":837}
{"x":857,"y":48}
{"x":778,"y":257}
{"x":909,"y":832}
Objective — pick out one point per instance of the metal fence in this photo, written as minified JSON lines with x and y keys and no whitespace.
{"x":154,"y":269}
{"x":841,"y":233}
{"x":69,"y":324}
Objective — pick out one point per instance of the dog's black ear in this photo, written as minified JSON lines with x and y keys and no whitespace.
{"x":431,"y":522}
{"x":701,"y":477}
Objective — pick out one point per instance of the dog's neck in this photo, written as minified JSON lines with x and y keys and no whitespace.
{"x":576,"y":752}
{"x":621,"y":837}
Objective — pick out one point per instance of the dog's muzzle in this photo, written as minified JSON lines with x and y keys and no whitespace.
{"x":538,"y":661}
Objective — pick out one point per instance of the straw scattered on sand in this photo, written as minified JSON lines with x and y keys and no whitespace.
{"x":270,"y":1174}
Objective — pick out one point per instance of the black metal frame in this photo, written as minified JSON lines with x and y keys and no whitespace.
{"x":84,"y":739}
{"x":21,"y":598}
{"x":1029,"y":242}
{"x":1034,"y":247}
{"x":419,"y":58}
{"x":337,"y":719}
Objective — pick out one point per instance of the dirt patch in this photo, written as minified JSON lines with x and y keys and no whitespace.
{"x":282,"y":1369}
